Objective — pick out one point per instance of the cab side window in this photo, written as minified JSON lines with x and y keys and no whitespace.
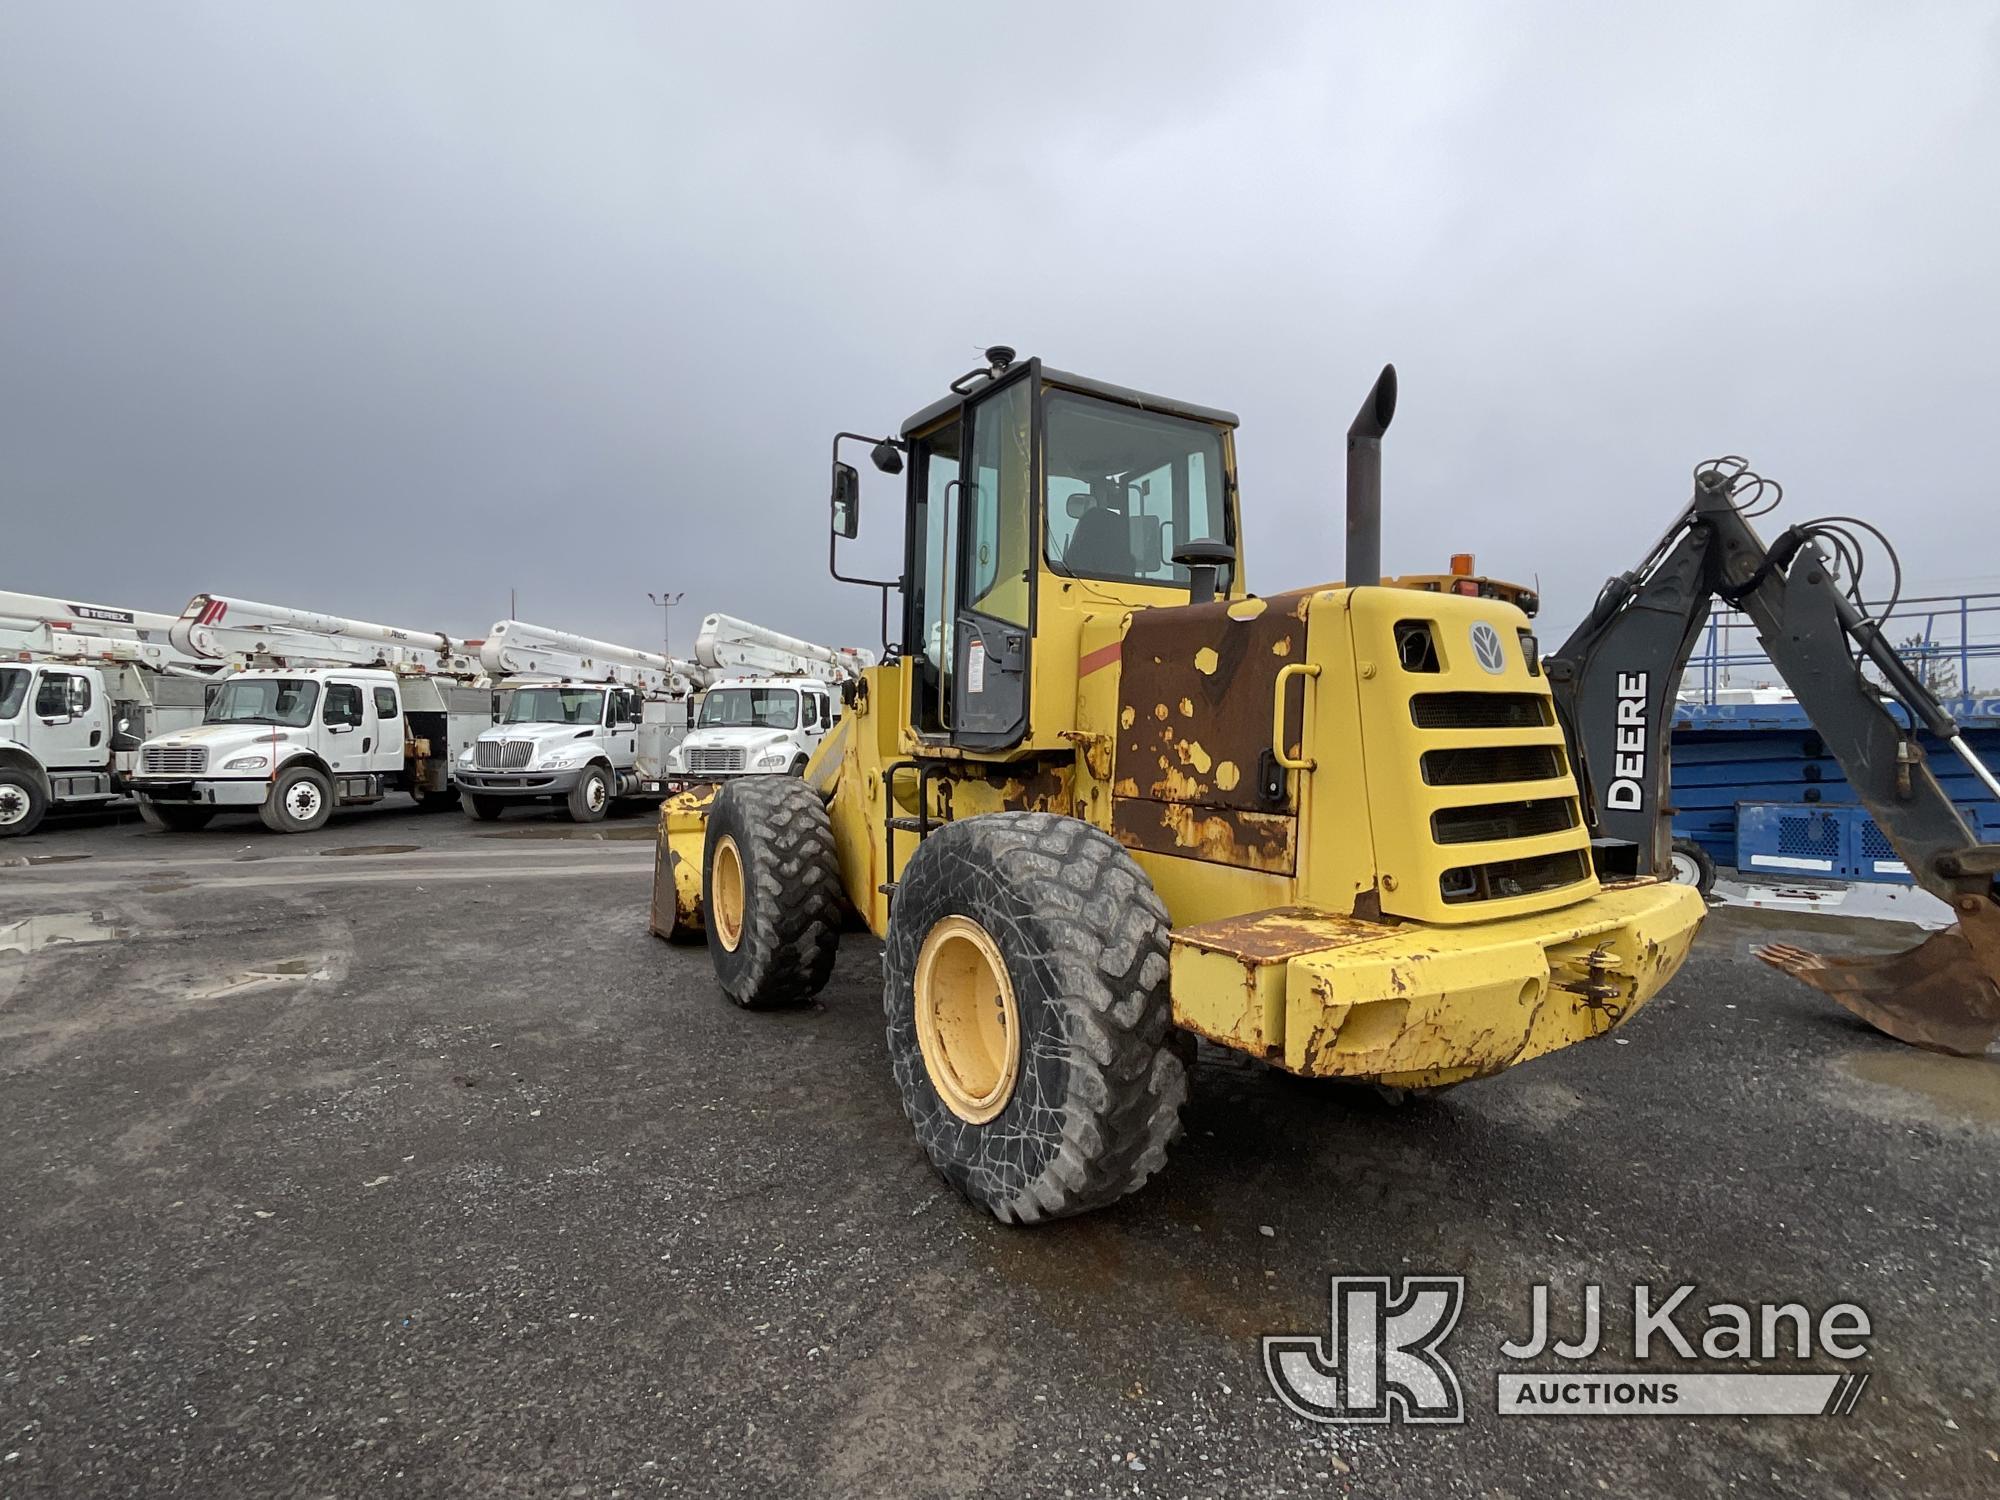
{"x":811,"y":710}
{"x":61,"y":693}
{"x":385,"y":704}
{"x":343,"y":704}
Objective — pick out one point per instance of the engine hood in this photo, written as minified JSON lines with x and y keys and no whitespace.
{"x":219,"y":739}
{"x":751,"y":740}
{"x":543,"y":734}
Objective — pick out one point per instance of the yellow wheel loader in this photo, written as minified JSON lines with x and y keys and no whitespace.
{"x":1103,"y":800}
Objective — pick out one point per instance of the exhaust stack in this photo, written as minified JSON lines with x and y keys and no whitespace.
{"x":1364,"y":480}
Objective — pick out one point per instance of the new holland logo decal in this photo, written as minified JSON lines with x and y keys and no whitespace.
{"x":1486,"y":646}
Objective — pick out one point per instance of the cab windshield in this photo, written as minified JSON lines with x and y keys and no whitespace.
{"x":1128,"y":488}
{"x":13,"y":690}
{"x":553,"y":705}
{"x":263,"y":700}
{"x":750,"y":708}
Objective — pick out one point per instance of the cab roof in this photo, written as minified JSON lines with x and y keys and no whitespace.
{"x":1124,"y":395}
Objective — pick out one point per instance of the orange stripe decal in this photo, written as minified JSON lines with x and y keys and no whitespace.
{"x":1103,"y":656}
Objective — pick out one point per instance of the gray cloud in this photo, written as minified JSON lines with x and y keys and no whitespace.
{"x":385,"y":308}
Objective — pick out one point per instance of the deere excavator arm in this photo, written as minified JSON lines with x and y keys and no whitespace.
{"x":1615,"y":681}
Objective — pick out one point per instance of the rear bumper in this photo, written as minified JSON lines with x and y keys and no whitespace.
{"x":1420,"y":1006}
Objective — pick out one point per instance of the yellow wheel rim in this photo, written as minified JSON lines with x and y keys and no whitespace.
{"x":968,"y":1026}
{"x":725,"y":893}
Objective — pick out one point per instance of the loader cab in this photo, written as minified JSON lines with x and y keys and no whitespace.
{"x":1032,"y":497}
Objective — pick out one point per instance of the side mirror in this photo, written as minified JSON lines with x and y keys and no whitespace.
{"x":847,"y":500}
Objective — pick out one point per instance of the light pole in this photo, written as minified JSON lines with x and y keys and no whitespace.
{"x":666,"y":603}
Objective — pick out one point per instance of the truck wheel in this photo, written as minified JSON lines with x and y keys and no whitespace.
{"x":429,"y":801}
{"x":22,"y":803}
{"x":174,"y":816}
{"x":486,"y":809}
{"x":300,"y":800}
{"x":1690,"y":865}
{"x":771,"y":884}
{"x":799,"y":765}
{"x":590,"y":798}
{"x":1026,"y":990}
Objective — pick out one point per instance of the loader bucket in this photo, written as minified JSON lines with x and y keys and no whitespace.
{"x":1942,"y":995}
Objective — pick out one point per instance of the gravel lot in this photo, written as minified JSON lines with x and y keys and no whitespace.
{"x":400,"y":1158}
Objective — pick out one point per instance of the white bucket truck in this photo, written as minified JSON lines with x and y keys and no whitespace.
{"x":582,"y":723}
{"x":326,"y":713}
{"x":81,"y":686}
{"x":773,"y":699}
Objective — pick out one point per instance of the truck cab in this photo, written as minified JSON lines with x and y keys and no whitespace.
{"x":757,"y":726}
{"x":583,"y":745}
{"x":55,"y":740}
{"x":292,"y":743}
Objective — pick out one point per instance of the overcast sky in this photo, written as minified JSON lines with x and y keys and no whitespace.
{"x":383,"y":309}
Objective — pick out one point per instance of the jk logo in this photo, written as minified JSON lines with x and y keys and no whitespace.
{"x":1380,"y":1360}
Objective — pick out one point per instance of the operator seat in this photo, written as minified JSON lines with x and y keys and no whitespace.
{"x":1101,"y":543}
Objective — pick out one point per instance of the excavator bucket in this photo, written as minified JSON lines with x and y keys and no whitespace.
{"x":1943,"y":994}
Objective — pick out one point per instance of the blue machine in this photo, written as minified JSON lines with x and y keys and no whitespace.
{"x":1753,"y":784}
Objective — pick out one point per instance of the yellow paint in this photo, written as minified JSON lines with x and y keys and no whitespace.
{"x":1282,"y":646}
{"x":1246,"y":609}
{"x":1187,"y":708}
{"x":1160,"y":712}
{"x":1206,"y":661}
{"x":1192,"y":754}
{"x":1226,"y":775}
{"x":1128,"y":717}
{"x":968,"y":1024}
{"x":1417,"y":1006}
{"x":725,"y":893}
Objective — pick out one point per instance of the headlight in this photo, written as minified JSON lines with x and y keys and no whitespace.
{"x":774,"y":757}
{"x":558,"y":761}
{"x":247,"y":763}
{"x":465,"y":756}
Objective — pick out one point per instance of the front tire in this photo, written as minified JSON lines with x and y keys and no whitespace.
{"x":1027,"y":996}
{"x":301,"y":800}
{"x":770,"y":891}
{"x":23,"y":803}
{"x":485,"y":809}
{"x":590,"y":798}
{"x":174,"y":816}
{"x":1691,"y":865}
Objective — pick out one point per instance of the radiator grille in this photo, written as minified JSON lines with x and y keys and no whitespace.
{"x":502,"y":755}
{"x":1479,"y":710}
{"x":172,"y":760}
{"x":1479,"y":765}
{"x":1503,"y":878}
{"x":711,"y":761}
{"x":1502,"y":820}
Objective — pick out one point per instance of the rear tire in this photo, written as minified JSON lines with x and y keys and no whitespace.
{"x":23,"y":803}
{"x":1691,"y":865}
{"x":590,"y":798}
{"x":485,"y":809}
{"x":773,"y":907}
{"x":179,"y":819}
{"x":1096,"y":1089}
{"x":300,"y":801}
